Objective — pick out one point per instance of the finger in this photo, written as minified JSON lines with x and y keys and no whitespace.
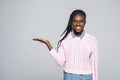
{"x":35,"y":39}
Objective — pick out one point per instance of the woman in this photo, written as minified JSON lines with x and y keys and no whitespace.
{"x":77,"y":50}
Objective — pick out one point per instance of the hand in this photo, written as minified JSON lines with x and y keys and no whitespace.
{"x":44,"y":41}
{"x":41,"y":40}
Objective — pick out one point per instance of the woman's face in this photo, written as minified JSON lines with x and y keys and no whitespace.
{"x":78,"y":23}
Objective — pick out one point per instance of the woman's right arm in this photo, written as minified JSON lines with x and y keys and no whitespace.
{"x":45,"y":42}
{"x":58,"y":57}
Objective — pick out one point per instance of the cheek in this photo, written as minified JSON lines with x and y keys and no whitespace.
{"x":82,"y":24}
{"x":73,"y":23}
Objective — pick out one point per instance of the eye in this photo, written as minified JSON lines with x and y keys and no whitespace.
{"x":82,"y":21}
{"x":74,"y":21}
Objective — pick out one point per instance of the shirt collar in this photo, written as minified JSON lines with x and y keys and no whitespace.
{"x":81,"y":36}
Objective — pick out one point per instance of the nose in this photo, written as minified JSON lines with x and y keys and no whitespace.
{"x":78,"y":23}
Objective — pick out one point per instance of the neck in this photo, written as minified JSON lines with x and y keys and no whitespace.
{"x":77,"y":34}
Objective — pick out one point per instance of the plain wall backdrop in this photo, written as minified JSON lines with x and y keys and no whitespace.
{"x":21,"y":58}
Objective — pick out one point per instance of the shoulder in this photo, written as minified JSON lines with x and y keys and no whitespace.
{"x":91,"y":38}
{"x":66,"y":39}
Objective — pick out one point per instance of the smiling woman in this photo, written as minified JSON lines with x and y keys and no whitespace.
{"x":77,"y":50}
{"x":78,"y":24}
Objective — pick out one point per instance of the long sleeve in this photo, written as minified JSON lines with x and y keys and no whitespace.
{"x":94,"y":60}
{"x":58,"y":57}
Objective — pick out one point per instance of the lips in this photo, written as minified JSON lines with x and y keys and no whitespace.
{"x":78,"y":28}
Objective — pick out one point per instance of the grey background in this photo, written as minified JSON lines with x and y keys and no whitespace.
{"x":21,"y":58}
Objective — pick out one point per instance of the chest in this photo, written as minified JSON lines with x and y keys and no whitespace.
{"x":78,"y":47}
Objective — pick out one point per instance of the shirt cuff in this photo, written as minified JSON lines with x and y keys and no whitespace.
{"x":52,"y":51}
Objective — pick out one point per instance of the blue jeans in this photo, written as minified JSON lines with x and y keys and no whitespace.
{"x":70,"y":76}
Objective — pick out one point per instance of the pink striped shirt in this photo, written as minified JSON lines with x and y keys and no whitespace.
{"x":78,"y":55}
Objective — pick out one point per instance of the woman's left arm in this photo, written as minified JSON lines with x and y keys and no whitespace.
{"x":94,"y":60}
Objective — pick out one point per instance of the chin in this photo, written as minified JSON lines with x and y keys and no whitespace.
{"x":78,"y":31}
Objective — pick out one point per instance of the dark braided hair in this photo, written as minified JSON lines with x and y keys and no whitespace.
{"x":69,"y":26}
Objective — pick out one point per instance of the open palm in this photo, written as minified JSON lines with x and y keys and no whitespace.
{"x":41,"y":40}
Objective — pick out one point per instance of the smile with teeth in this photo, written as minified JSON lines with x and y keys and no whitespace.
{"x":78,"y":27}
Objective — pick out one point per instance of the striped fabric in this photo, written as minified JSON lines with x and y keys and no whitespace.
{"x":78,"y":55}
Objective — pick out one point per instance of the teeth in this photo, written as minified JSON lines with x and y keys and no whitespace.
{"x":78,"y":27}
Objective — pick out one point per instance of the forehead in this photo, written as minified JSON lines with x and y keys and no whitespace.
{"x":78,"y":17}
